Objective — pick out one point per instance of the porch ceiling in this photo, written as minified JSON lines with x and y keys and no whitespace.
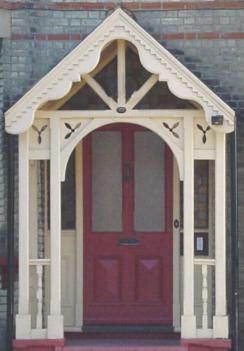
{"x":85,"y":57}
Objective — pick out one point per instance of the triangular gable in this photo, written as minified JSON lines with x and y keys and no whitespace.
{"x":84,"y":58}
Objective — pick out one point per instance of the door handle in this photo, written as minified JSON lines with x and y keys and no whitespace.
{"x":128,"y":242}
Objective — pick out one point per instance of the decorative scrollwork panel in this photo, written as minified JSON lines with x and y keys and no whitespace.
{"x":39,"y":139}
{"x":204,"y":135}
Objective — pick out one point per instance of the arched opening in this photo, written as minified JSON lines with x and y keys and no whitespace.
{"x":109,"y":137}
{"x":127,"y":182}
{"x":109,"y":96}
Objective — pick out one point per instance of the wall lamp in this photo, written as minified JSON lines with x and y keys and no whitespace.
{"x":217,"y":120}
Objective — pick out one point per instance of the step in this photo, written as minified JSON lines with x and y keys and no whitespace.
{"x":124,"y":348}
{"x":127,"y":329}
{"x":69,"y":336}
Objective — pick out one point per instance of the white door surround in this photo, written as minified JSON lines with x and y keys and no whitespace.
{"x":43,"y":135}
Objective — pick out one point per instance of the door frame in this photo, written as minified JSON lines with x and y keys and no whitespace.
{"x":163,"y":237}
{"x":79,"y":243}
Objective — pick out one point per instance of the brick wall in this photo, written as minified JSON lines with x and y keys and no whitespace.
{"x":3,"y":207}
{"x":206,"y":36}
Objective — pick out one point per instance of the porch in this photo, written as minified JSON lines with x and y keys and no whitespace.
{"x":140,"y":342}
{"x":79,"y":118}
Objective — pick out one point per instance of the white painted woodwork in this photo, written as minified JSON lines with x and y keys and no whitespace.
{"x":39,"y":154}
{"x":205,"y":296}
{"x":151,"y":124}
{"x":39,"y":297}
{"x":23,"y":319}
{"x":72,"y":260}
{"x":198,"y":135}
{"x":137,"y":96}
{"x":176,"y":248}
{"x":129,"y":115}
{"x":220,"y":319}
{"x":198,"y":269}
{"x":204,"y":154}
{"x":68,"y":277}
{"x":205,"y":264}
{"x":121,"y":72}
{"x":198,"y":298}
{"x":33,"y":220}
{"x":55,"y":319}
{"x":76,"y":320}
{"x":106,"y":59}
{"x":79,"y":238}
{"x":211,"y":206}
{"x":188,"y":320}
{"x":100,"y":91}
{"x":38,"y":265}
{"x":40,"y":140}
{"x":155,"y":59}
{"x":33,"y":209}
{"x":38,"y":334}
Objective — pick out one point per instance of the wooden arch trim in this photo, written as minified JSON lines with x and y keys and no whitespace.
{"x":85,"y":57}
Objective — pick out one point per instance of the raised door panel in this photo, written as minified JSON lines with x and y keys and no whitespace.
{"x":107,"y":280}
{"x":149,"y":280}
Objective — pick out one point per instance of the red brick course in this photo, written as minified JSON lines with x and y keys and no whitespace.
{"x":165,"y":36}
{"x":157,"y":5}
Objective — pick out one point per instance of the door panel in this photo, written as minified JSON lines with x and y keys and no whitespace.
{"x":127,"y":232}
{"x":106,"y":181}
{"x":148,"y":280}
{"x":149,"y":186}
{"x":107,"y":279}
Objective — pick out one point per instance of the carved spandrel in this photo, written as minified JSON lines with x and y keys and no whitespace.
{"x":173,"y":127}
{"x":39,"y":139}
{"x":204,"y":135}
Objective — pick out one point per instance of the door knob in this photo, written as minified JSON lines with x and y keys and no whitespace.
{"x":176,"y":223}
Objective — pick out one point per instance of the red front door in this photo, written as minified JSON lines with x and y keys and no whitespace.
{"x":127,"y":227}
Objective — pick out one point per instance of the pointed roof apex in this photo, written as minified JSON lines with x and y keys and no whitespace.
{"x":84,"y":58}
{"x":122,"y":9}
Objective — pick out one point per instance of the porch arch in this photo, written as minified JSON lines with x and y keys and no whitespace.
{"x":147,"y":123}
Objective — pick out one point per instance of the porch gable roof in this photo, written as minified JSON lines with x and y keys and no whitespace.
{"x":84,"y":58}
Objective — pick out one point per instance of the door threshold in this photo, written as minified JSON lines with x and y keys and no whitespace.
{"x":125,"y":328}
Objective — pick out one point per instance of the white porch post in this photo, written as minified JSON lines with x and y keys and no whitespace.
{"x":55,"y":319}
{"x":188,"y":319}
{"x":220,"y":320}
{"x":23,"y":319}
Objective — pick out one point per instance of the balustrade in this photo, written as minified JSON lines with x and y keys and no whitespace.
{"x":205,"y":331}
{"x":39,"y":265}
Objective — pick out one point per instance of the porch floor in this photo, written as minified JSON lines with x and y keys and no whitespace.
{"x":122,"y":344}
